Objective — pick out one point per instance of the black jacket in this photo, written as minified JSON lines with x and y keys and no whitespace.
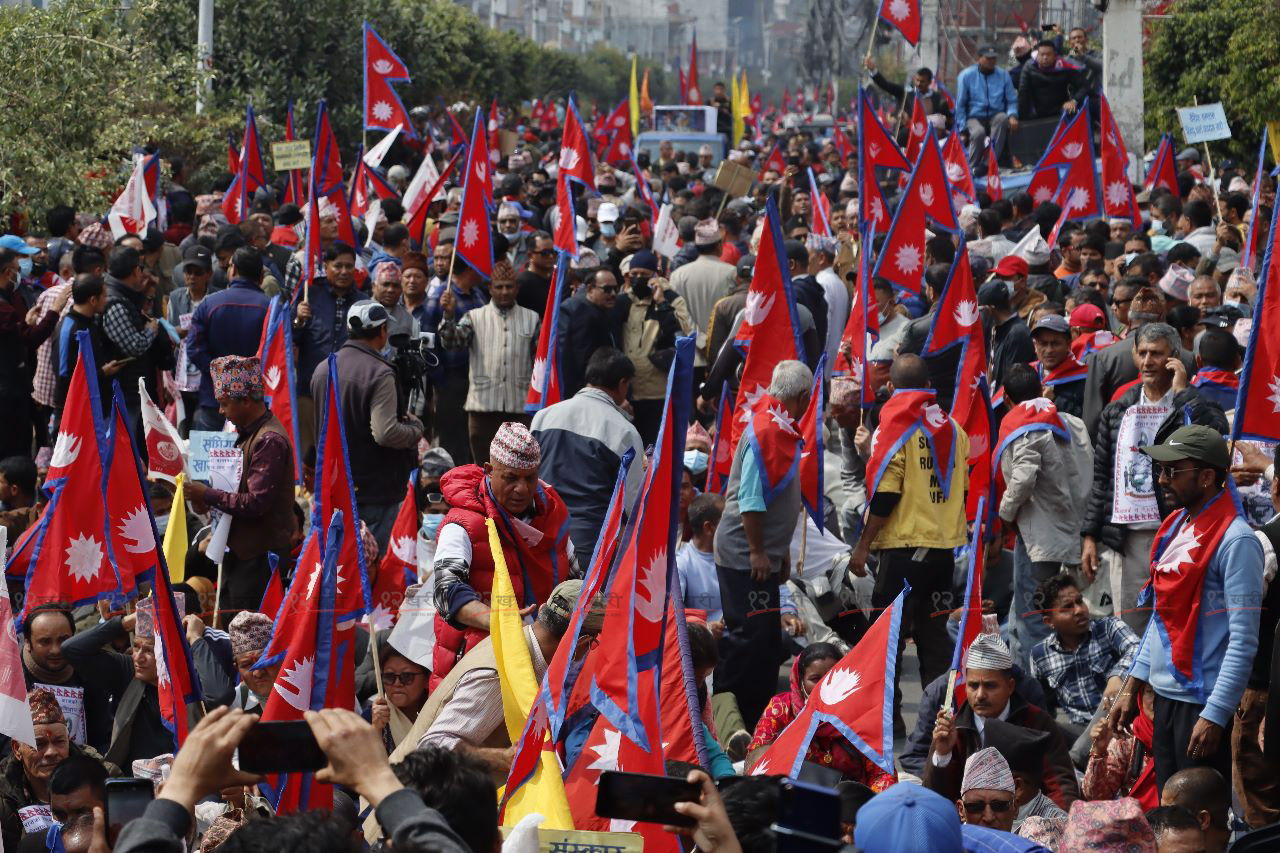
{"x":582,"y":329}
{"x":1041,"y":94}
{"x":942,"y":367}
{"x":1189,"y":407}
{"x":1010,"y":344}
{"x":933,"y":104}
{"x":810,"y":294}
{"x":1110,"y":368}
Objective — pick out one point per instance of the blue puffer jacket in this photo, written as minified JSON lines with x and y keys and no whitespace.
{"x":228,"y":322}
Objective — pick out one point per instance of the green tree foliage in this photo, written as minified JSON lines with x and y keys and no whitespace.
{"x":88,"y":82}
{"x":1215,"y":50}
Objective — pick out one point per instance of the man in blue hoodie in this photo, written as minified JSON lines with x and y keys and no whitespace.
{"x":228,"y":322}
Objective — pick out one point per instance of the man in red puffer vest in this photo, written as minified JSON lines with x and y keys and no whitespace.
{"x":533,"y":524}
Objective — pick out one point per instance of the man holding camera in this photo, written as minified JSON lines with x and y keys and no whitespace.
{"x":381,"y":437}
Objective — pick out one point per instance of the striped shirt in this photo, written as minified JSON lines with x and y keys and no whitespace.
{"x":501,"y":343}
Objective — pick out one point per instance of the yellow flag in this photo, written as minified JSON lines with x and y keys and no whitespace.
{"x":1273,"y":139}
{"x":633,"y":101}
{"x":544,"y":792}
{"x":744,"y":95}
{"x":735,"y":104}
{"x":175,"y":536}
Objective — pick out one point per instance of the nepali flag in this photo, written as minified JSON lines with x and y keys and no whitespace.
{"x":136,"y":207}
{"x":918,"y":130}
{"x":383,"y":109}
{"x":275,"y":352}
{"x":457,"y":136}
{"x":642,"y":188}
{"x":64,"y":555}
{"x":133,"y":548}
{"x":971,"y":620}
{"x":1117,"y":198}
{"x":786,"y":100}
{"x":876,"y":149}
{"x":542,"y":728}
{"x":770,"y":330}
{"x":399,"y":567}
{"x":575,"y":151}
{"x":861,"y":331}
{"x":957,"y":163}
{"x":273,"y":595}
{"x":326,"y":180}
{"x":627,"y":666}
{"x":775,"y":162}
{"x":166,"y":450}
{"x":317,"y":669}
{"x":295,"y":189}
{"x":474,"y":242}
{"x":855,"y":697}
{"x":819,"y":208}
{"x":843,"y":146}
{"x":418,"y":204}
{"x":495,"y":140}
{"x":679,"y":711}
{"x":1078,"y":194}
{"x":1251,"y":240}
{"x":619,"y":142}
{"x":250,"y":177}
{"x":927,"y":198}
{"x":1028,"y":416}
{"x":995,"y":190}
{"x":721,"y":461}
{"x":693,"y":94}
{"x":957,"y":322}
{"x":810,"y":428}
{"x":1164,"y":172}
{"x":367,"y":177}
{"x":545,"y":387}
{"x":907,"y":412}
{"x":336,"y":493}
{"x":1065,"y":146}
{"x":1258,"y":401}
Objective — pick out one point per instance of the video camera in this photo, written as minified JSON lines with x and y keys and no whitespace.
{"x":413,"y":357}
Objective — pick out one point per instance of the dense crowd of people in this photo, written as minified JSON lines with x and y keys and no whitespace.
{"x":1115,"y":697}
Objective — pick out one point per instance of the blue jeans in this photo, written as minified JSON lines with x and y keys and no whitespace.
{"x":1026,"y":623}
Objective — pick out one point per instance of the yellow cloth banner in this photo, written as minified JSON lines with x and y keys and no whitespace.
{"x":633,"y":101}
{"x":175,"y":535}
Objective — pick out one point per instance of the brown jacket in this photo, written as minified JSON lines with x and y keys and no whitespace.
{"x":252,"y":536}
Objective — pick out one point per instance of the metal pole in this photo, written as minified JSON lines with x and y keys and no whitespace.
{"x":204,"y":53}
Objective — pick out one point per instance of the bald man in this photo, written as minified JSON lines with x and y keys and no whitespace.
{"x":1203,"y":792}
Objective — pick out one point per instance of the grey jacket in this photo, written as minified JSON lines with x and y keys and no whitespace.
{"x":1047,"y":482}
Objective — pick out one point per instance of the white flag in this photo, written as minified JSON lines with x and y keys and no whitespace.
{"x":373,"y":157}
{"x":166,"y":451}
{"x":15,"y":713}
{"x":132,"y":210}
{"x":424,"y":179}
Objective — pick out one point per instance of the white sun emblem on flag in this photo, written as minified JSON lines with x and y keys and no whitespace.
{"x":839,"y":685}
{"x":748,"y":404}
{"x":383,"y":66}
{"x":907,"y":259}
{"x":1072,"y":150}
{"x":967,"y":312}
{"x":380,"y":618}
{"x":760,"y":769}
{"x":898,"y":10}
{"x":470,"y":233}
{"x":84,"y":557}
{"x":382,"y":111}
{"x":877,"y":210}
{"x":955,"y":171}
{"x":607,"y":752}
{"x":1274,"y":399}
{"x":569,"y":159}
{"x":1043,"y":194}
{"x":780,"y":417}
{"x":926,"y":194}
{"x":1079,"y":199}
{"x":1179,"y":551}
{"x":993,"y":181}
{"x":1117,"y":193}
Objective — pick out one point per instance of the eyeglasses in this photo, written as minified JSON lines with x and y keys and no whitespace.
{"x":1121,"y":301}
{"x":434,"y":498}
{"x":1168,"y":472}
{"x":405,"y":678}
{"x":979,"y":806}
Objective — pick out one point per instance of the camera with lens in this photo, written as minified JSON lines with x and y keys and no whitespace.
{"x":413,"y":357}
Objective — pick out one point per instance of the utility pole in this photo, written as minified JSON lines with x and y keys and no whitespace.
{"x":204,"y":53}
{"x":927,"y":49}
{"x":1122,"y":75}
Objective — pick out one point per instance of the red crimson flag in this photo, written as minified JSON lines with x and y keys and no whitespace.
{"x":474,"y":242}
{"x":383,"y":109}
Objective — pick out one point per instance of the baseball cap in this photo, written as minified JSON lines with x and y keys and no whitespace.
{"x":1189,"y":153}
{"x":1087,"y":317}
{"x":908,"y":818}
{"x":1052,"y":323}
{"x":366,"y":314}
{"x":988,"y":51}
{"x":197,"y":255}
{"x":1011,"y":266}
{"x":994,"y":294}
{"x":14,"y":243}
{"x":1201,"y":443}
{"x":608,"y":212}
{"x":746,"y":266}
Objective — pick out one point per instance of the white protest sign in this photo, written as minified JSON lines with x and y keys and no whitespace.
{"x":201,"y":443}
{"x":1204,"y":123}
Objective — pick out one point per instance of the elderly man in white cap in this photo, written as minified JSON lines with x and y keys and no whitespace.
{"x":989,"y":694}
{"x":822,"y":259}
{"x":533,"y":525}
{"x":704,"y":281}
{"x":987,"y":791}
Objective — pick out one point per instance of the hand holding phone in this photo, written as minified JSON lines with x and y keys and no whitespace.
{"x":646,"y":798}
{"x":281,"y":747}
{"x":125,"y":799}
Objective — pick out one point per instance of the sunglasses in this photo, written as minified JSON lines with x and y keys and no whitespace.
{"x":979,"y":806}
{"x":405,"y":678}
{"x":434,"y":498}
{"x":1121,"y":301}
{"x":544,"y":252}
{"x":1168,"y":472}
{"x":610,"y":288}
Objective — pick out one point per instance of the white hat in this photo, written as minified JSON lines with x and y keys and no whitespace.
{"x":608,"y":212}
{"x":987,"y":770}
{"x":988,"y":651}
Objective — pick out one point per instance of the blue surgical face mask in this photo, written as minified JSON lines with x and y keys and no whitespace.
{"x":608,"y":229}
{"x":24,"y":266}
{"x":696,"y":461}
{"x":431,"y":523}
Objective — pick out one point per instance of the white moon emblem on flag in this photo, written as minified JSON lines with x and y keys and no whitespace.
{"x":383,"y":66}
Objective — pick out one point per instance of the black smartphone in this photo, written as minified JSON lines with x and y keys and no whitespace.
{"x":126,"y":799}
{"x":281,"y":747}
{"x":809,"y":808}
{"x":645,"y":798}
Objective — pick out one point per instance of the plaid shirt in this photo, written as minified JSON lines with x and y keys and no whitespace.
{"x":1078,"y":678}
{"x":44,"y":384}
